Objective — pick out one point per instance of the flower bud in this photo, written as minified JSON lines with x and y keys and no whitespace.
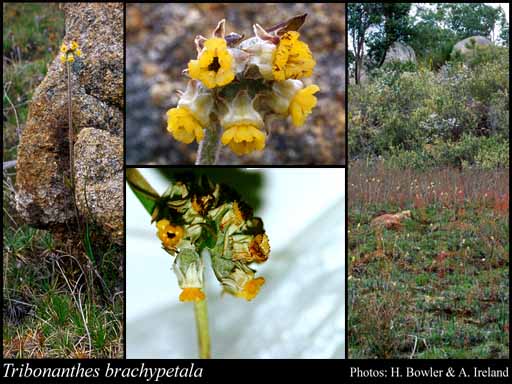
{"x":261,"y":54}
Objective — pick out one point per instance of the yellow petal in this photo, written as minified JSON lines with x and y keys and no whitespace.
{"x":252,"y":288}
{"x":192,"y":294}
{"x":224,"y":77}
{"x":162,"y":224}
{"x":227,"y":136}
{"x":193,"y":69}
{"x":184,"y":127}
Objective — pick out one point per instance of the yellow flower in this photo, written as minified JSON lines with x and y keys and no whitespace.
{"x":251,"y":288}
{"x":292,"y":59}
{"x":241,"y":282}
{"x":214,"y":67}
{"x":63,"y":58}
{"x":244,"y":138}
{"x":182,"y":124}
{"x":289,"y":97}
{"x":71,"y":58}
{"x":169,"y":234}
{"x":302,"y":104}
{"x":242,"y":125}
{"x":190,"y":278}
{"x":63,"y":48}
{"x":192,"y":294}
{"x":73,"y":45}
{"x":78,"y":52}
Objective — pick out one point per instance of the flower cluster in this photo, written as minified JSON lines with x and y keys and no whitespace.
{"x":195,"y":214}
{"x":68,"y":52}
{"x":240,"y":83}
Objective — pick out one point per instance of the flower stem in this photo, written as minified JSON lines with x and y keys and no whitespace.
{"x":71,"y":142}
{"x":203,"y":336}
{"x":209,"y":147}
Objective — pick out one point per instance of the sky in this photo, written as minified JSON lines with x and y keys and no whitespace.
{"x":504,"y":6}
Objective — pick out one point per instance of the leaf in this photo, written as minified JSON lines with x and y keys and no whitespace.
{"x":88,"y":245}
{"x":292,"y":24}
{"x":142,"y":190}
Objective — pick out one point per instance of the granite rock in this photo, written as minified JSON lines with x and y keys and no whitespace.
{"x":399,"y":52}
{"x":464,"y":47}
{"x":99,"y":179}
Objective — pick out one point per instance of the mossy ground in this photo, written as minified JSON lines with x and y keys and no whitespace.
{"x":61,"y":299}
{"x":439,"y":286}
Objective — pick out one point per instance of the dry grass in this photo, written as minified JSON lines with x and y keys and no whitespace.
{"x":437,"y":286}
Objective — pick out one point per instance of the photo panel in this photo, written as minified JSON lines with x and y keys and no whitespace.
{"x":235,"y":84}
{"x":63,"y":180}
{"x":428,"y":184}
{"x":235,"y":263}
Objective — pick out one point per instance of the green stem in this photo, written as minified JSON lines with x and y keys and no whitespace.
{"x":209,"y":147}
{"x":148,"y":197}
{"x":203,"y":336}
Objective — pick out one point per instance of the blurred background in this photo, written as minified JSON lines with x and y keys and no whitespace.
{"x":299,"y":312}
{"x":160,"y":42}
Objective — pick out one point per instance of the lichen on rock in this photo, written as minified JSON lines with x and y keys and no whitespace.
{"x":99,"y":179}
{"x":43,"y":197}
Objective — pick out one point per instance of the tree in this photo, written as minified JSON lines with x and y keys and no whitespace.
{"x":504,"y":36}
{"x":361,"y":16}
{"x":431,"y":39}
{"x":471,"y":19}
{"x":395,"y":26}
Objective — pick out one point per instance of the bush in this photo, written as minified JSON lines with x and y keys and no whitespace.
{"x":446,"y":116}
{"x":469,"y":152}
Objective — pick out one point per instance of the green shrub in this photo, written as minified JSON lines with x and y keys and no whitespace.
{"x":403,"y":109}
{"x":469,"y":152}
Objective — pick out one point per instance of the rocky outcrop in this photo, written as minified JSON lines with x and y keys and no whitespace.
{"x":467,"y":46}
{"x":99,"y":179}
{"x":399,"y":52}
{"x":43,"y":195}
{"x":390,"y":221}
